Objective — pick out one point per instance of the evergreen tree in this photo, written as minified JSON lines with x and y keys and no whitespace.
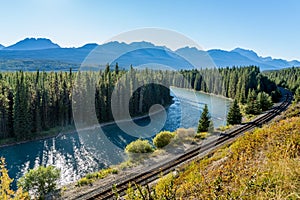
{"x":117,"y":69}
{"x":253,"y":106}
{"x":265,"y":101}
{"x":234,"y":114}
{"x":297,"y":95}
{"x":204,"y":120}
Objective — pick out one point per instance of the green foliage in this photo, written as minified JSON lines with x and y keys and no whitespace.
{"x":201,"y":135}
{"x":297,"y":95}
{"x":137,"y":192}
{"x":165,"y":188}
{"x":287,"y":78}
{"x":224,"y":128}
{"x":91,"y":177}
{"x":34,"y":102}
{"x":204,"y":120}
{"x":253,"y":105}
{"x":234,"y":115}
{"x":234,"y":82}
{"x":265,"y":101}
{"x":84,"y":181}
{"x":139,"y":146}
{"x":163,"y":138}
{"x":40,"y":181}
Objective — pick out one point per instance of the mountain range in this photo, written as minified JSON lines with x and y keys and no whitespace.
{"x":30,"y":51}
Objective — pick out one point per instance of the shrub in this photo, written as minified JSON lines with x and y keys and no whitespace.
{"x":202,"y":135}
{"x":139,"y":146}
{"x":40,"y":181}
{"x":84,"y":181}
{"x":163,"y":138}
{"x":89,"y":178}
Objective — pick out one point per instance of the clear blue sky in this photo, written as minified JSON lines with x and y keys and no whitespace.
{"x":270,"y":27}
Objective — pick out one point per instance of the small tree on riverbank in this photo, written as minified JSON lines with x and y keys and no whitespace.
{"x":234,"y":115}
{"x":204,"y":120}
{"x":40,"y":181}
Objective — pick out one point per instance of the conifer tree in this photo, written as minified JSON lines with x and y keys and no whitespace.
{"x":253,"y":106}
{"x":234,"y":114}
{"x":297,"y":95}
{"x":204,"y":120}
{"x":265,"y":101}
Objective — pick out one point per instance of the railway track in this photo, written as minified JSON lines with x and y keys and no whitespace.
{"x":151,"y":175}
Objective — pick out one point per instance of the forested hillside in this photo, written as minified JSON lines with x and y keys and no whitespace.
{"x":235,"y":82}
{"x":288,"y":78}
{"x":32,"y":102}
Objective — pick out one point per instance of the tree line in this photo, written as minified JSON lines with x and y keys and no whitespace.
{"x":31,"y":102}
{"x":234,"y":82}
{"x":288,"y":78}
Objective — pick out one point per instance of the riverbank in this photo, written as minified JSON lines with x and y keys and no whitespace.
{"x":60,"y":131}
{"x":210,"y":94}
{"x":51,"y":133}
{"x":71,"y":129}
{"x":163,"y":156}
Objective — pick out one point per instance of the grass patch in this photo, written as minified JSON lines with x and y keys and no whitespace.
{"x":224,"y":128}
{"x":202,"y":135}
{"x":91,"y":177}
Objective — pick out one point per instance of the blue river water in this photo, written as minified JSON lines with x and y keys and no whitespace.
{"x":77,"y":154}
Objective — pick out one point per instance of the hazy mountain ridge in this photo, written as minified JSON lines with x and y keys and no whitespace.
{"x":32,"y":44}
{"x":138,"y":53}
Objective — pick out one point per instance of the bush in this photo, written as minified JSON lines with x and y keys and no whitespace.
{"x":202,"y":135}
{"x":139,"y":146}
{"x":40,"y":181}
{"x":163,"y":138}
{"x":84,"y":181}
{"x":89,"y":178}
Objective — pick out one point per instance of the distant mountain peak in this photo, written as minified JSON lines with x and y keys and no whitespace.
{"x":89,"y":46}
{"x":33,"y":44}
{"x":188,"y":48}
{"x":247,"y":53}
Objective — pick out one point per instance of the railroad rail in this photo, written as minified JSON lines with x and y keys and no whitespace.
{"x":151,"y":175}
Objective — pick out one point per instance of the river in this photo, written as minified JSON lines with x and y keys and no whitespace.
{"x":77,"y":154}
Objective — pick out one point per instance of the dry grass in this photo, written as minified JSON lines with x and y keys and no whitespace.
{"x":261,"y":165}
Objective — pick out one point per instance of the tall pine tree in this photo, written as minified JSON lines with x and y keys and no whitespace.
{"x":204,"y":120}
{"x":234,"y":115}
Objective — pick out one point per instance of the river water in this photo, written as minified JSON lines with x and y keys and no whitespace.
{"x":77,"y":154}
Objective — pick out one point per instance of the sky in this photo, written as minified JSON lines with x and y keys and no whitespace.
{"x":269,"y":27}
